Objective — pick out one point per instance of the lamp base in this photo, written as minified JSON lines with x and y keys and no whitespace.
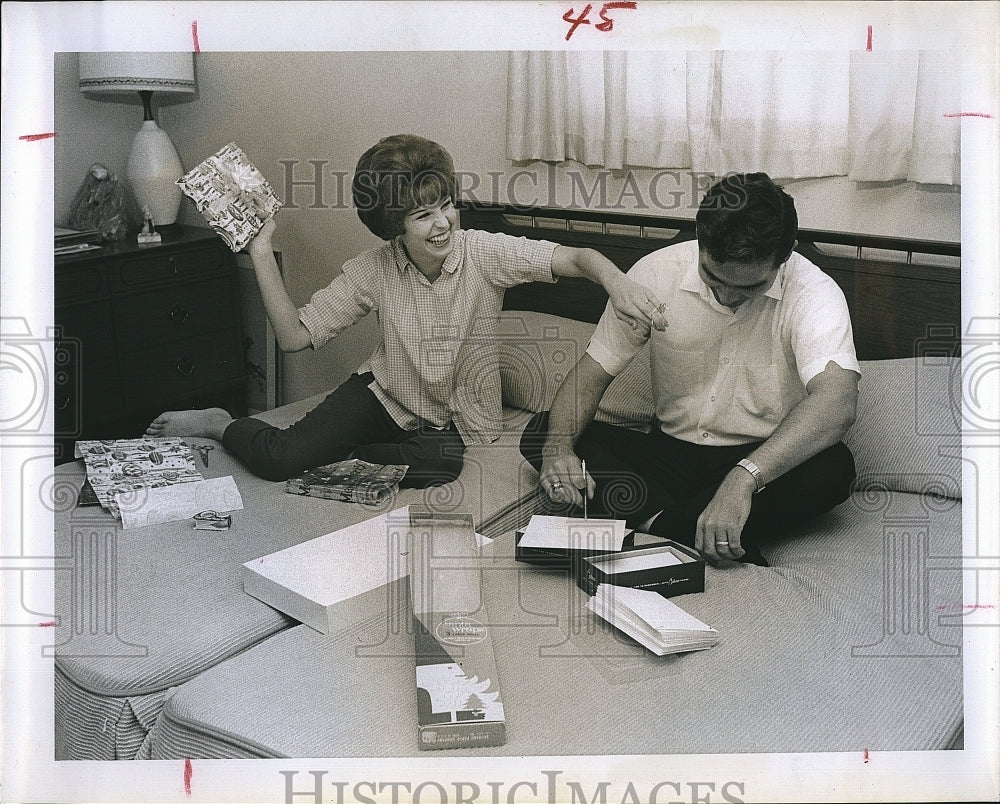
{"x":153,"y":168}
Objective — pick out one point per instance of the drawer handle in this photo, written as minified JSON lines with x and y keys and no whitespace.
{"x":185,"y":367}
{"x":173,"y":265}
{"x":179,"y":314}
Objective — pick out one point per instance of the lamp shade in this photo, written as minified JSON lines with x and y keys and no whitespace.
{"x":153,"y":165}
{"x":137,"y":72}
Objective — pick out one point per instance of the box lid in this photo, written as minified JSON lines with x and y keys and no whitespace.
{"x":341,"y":564}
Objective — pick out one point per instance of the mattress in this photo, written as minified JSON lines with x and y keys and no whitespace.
{"x":849,"y":641}
{"x":146,"y":610}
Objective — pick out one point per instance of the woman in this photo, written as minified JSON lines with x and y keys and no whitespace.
{"x":432,"y":385}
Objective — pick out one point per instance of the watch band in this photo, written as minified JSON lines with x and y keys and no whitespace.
{"x":758,"y":476}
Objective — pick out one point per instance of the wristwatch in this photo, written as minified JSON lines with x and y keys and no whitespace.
{"x":758,"y":476}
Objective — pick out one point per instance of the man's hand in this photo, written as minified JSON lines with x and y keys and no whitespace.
{"x":636,"y":305}
{"x":720,"y":525}
{"x":563,"y":479}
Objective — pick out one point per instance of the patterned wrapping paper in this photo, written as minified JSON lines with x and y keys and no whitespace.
{"x":232,"y":195}
{"x":128,"y":464}
{"x":353,"y":480}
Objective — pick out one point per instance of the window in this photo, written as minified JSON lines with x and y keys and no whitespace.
{"x":797,"y":114}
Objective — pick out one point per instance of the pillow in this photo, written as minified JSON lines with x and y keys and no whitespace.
{"x":628,"y":402}
{"x":537,"y":350}
{"x":907,"y":436}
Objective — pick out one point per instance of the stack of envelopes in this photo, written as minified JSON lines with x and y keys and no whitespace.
{"x":651,"y":619}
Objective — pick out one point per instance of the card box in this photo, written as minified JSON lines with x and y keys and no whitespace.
{"x":458,"y":693}
{"x":559,"y":557}
{"x":667,"y":568}
{"x":324,"y":582}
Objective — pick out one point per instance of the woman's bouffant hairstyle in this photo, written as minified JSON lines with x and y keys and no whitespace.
{"x":746,"y":217}
{"x":397,"y":175}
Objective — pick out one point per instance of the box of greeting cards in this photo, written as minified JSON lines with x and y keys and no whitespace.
{"x":232,"y":195}
{"x":664,"y":566}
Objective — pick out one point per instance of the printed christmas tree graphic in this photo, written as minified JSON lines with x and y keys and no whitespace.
{"x":475,"y":707}
{"x":451,"y":691}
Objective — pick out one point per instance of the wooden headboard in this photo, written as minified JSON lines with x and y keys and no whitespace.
{"x":900,"y":292}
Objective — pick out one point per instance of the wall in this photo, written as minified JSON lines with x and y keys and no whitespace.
{"x":87,"y":131}
{"x":331,"y":107}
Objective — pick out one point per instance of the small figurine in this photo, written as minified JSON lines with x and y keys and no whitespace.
{"x":148,"y":233}
{"x":104,"y":203}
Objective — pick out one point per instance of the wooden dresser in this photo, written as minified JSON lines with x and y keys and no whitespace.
{"x":143,"y":329}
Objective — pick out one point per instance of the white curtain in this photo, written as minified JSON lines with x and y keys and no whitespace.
{"x":873,"y":117}
{"x":900,"y":126}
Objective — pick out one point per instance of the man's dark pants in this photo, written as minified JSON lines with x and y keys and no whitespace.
{"x":638,"y":474}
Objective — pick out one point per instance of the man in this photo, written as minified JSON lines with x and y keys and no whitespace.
{"x":754,"y":382}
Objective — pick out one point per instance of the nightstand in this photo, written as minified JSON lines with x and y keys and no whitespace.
{"x":143,"y":329}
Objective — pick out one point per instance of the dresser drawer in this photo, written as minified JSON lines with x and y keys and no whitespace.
{"x":84,"y":392}
{"x":79,"y":280}
{"x":88,"y":326}
{"x":156,"y":266}
{"x":183,"y":368}
{"x":85,"y":378}
{"x":174,"y":312}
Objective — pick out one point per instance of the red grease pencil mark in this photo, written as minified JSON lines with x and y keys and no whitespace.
{"x":35,"y":137}
{"x":868,"y":46}
{"x":970,"y":114}
{"x":188,"y":772}
{"x":194,"y":36}
{"x":866,"y":756}
{"x":47,"y":624}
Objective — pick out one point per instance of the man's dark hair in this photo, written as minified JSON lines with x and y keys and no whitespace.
{"x":746,"y":217}
{"x":397,"y":175}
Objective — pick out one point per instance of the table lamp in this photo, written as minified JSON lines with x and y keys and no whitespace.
{"x":153,"y":164}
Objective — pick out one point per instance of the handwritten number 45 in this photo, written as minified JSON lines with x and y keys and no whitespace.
{"x":606,"y":23}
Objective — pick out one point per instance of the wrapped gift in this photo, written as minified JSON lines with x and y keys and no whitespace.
{"x":232,"y":195}
{"x":352,"y":480}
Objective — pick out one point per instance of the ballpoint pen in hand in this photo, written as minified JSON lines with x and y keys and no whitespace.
{"x":583,"y":464}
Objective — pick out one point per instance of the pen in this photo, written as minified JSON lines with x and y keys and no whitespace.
{"x":584,"y":465}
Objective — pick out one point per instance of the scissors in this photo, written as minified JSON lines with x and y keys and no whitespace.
{"x":203,"y":450}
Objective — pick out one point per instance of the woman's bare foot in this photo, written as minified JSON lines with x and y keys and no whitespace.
{"x":206,"y":423}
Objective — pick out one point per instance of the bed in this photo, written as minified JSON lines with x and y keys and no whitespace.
{"x":849,"y":641}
